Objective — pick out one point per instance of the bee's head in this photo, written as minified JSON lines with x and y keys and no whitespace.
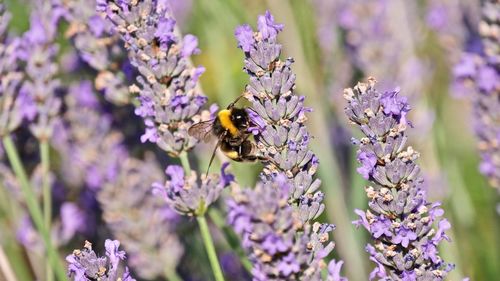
{"x":239,"y":117}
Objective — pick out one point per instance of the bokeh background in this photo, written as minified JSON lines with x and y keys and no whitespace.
{"x":413,"y":45}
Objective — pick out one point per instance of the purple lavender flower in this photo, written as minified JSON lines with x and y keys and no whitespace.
{"x":334,"y":271}
{"x":279,"y":114}
{"x":279,"y":246}
{"x":170,"y":102}
{"x":140,"y":220}
{"x":86,"y":265}
{"x":186,"y":194}
{"x":478,"y":75}
{"x":14,"y":106}
{"x":446,"y":18}
{"x":93,"y":38}
{"x":382,"y":38}
{"x":399,"y":218}
{"x":274,"y":220}
{"x":39,"y":52}
{"x":91,"y":152}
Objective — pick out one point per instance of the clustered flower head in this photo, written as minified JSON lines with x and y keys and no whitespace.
{"x":478,"y":75}
{"x":97,"y":45}
{"x":399,"y":218}
{"x":15,"y":106}
{"x":86,"y":265}
{"x":91,"y":150}
{"x":279,"y":115}
{"x":189,"y":195}
{"x":39,"y":52}
{"x":280,"y":247}
{"x":140,"y":220}
{"x":274,"y":220}
{"x":170,"y":101}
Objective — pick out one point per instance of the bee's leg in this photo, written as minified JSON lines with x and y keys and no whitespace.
{"x":213,"y":156}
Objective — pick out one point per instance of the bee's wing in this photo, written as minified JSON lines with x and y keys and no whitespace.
{"x":201,"y":130}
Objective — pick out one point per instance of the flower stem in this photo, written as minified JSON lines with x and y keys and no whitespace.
{"x":209,"y":246}
{"x":5,"y":267}
{"x":47,"y":195}
{"x":185,"y":163}
{"x":33,"y":206}
{"x":231,"y":238}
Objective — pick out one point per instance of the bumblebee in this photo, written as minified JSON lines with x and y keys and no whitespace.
{"x":230,"y":127}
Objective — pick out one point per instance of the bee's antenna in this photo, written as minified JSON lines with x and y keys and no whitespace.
{"x":213,"y":156}
{"x":235,"y":101}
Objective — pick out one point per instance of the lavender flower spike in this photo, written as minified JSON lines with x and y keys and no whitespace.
{"x":187,"y":195}
{"x":14,"y":106}
{"x":399,"y":218}
{"x":280,"y":249}
{"x":140,"y":220}
{"x":279,"y":114}
{"x":86,"y":265}
{"x":39,"y":52}
{"x":169,"y":100}
{"x":478,"y":74}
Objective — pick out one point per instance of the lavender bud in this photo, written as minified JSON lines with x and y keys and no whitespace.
{"x":85,"y":264}
{"x":478,"y":75}
{"x":140,"y":220}
{"x":170,"y":101}
{"x":279,"y":246}
{"x":188,"y":195}
{"x":399,"y":219}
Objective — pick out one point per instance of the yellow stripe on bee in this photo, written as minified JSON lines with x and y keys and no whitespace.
{"x":232,"y":154}
{"x":225,"y":120}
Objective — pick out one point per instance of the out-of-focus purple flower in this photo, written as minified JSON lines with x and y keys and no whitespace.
{"x":399,"y":218}
{"x":170,"y":100}
{"x":188,"y":195}
{"x":447,"y":18}
{"x":39,"y":52}
{"x":279,"y":245}
{"x":73,"y":220}
{"x":99,"y":47}
{"x":232,"y":268}
{"x":14,"y":106}
{"x":91,"y":152}
{"x":140,"y":220}
{"x":382,"y":39}
{"x":477,"y":74}
{"x":86,"y":265}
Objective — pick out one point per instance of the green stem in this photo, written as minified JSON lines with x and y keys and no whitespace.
{"x":5,"y":267}
{"x":185,"y":163}
{"x":47,"y":196}
{"x":231,"y":238}
{"x":33,"y":206}
{"x":172,"y":275}
{"x":209,"y":246}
